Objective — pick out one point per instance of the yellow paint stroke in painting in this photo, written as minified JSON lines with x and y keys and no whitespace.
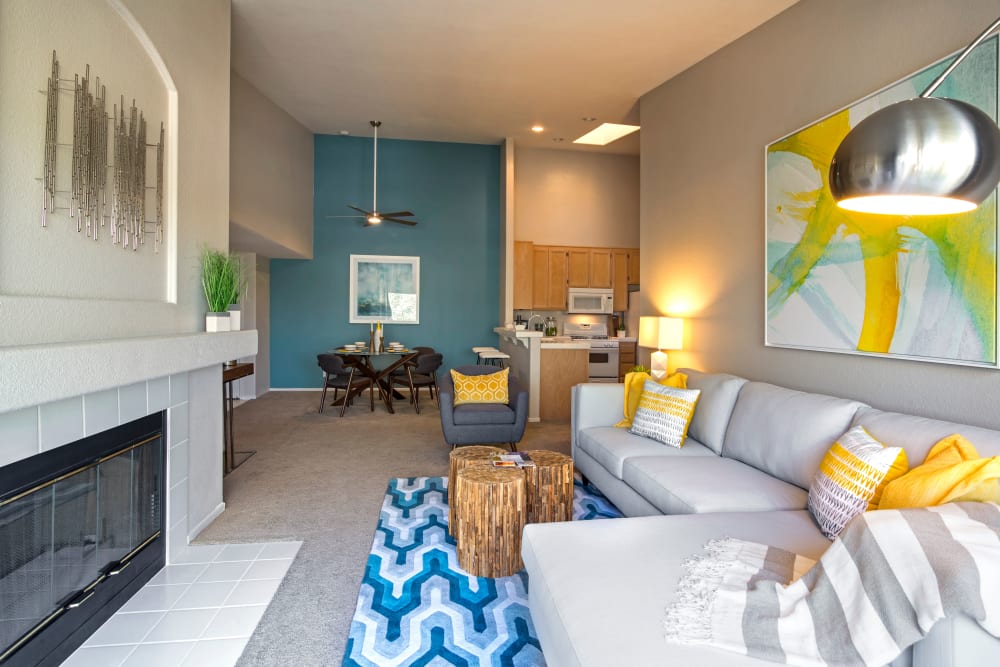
{"x":964,"y":243}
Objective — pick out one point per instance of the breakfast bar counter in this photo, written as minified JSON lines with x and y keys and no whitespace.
{"x":548,"y":366}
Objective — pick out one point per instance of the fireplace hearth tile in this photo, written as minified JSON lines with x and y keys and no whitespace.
{"x":155,"y":598}
{"x":100,"y":411}
{"x":181,"y":625}
{"x":202,"y":595}
{"x":279,"y":550}
{"x":160,"y":655}
{"x":237,"y":552}
{"x":125,"y":629}
{"x":233,"y":622}
{"x":178,"y":389}
{"x":132,"y":401}
{"x":99,"y":656}
{"x":158,"y":393}
{"x":178,"y":428}
{"x":268,"y":569}
{"x":253,"y":591}
{"x":177,"y":574}
{"x":224,"y":571}
{"x":199,"y":553}
{"x":216,"y":652}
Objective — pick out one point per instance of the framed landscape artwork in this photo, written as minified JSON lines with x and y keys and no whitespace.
{"x":920,"y":287}
{"x":385,"y":288}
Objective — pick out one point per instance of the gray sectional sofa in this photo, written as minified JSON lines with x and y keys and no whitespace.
{"x":598,"y":590}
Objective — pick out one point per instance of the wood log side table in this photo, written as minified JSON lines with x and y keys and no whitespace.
{"x":490,"y":516}
{"x":549,"y":486}
{"x":460,"y":458}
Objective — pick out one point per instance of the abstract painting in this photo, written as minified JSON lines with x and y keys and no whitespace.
{"x":385,"y":288}
{"x":918,"y":287}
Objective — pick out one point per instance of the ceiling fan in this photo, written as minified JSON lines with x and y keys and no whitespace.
{"x":374,"y":217}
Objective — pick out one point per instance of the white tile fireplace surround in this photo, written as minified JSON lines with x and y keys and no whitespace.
{"x":52,"y":395}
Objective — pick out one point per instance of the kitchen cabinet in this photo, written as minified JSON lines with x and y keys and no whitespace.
{"x":578,"y":269}
{"x":560,"y":371}
{"x":523,"y":275}
{"x":549,"y":276}
{"x":633,"y":266}
{"x":601,"y":272}
{"x":625,"y":263}
{"x":626,"y":358}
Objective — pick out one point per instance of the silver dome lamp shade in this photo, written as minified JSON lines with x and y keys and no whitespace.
{"x":923,"y":156}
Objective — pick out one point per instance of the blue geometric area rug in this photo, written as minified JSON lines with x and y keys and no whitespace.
{"x":416,"y":605}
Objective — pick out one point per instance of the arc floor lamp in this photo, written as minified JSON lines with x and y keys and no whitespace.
{"x":921,"y":156}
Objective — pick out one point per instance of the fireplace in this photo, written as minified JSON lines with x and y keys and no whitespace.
{"x":81,"y":530}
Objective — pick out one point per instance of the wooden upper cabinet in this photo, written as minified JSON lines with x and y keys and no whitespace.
{"x":601,"y":271}
{"x":523,"y":275}
{"x":540,"y":277}
{"x":620,"y":267}
{"x":558,"y":272}
{"x":633,"y":266}
{"x":578,"y":272}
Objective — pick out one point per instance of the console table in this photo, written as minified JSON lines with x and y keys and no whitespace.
{"x":229,"y":375}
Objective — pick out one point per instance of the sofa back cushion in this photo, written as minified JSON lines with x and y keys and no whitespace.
{"x":918,"y":434}
{"x":715,"y":406}
{"x":785,"y":432}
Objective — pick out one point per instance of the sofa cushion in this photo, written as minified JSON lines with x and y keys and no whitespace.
{"x":474,"y":414}
{"x":490,"y":388}
{"x":599,"y":589}
{"x":708,"y":484}
{"x":718,"y":396}
{"x":918,"y":434}
{"x":785,"y":432}
{"x":664,"y":413}
{"x":611,"y":446}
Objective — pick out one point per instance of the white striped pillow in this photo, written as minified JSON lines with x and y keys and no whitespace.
{"x":664,"y":413}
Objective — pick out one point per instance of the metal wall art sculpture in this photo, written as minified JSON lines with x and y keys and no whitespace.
{"x":123,"y":209}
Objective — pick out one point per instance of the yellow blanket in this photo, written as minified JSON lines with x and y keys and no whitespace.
{"x":951,"y":472}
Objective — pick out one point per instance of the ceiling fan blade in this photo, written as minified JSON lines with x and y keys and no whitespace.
{"x":396,"y":214}
{"x":343,"y":216}
{"x":360,"y":210}
{"x":402,"y":222}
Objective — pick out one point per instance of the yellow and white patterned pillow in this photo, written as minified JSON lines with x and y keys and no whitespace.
{"x":490,"y":388}
{"x":664,"y":413}
{"x":851,"y":477}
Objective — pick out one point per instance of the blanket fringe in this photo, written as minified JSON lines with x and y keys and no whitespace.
{"x":689,"y":617}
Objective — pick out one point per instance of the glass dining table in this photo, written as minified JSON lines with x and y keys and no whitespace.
{"x":364,"y":361}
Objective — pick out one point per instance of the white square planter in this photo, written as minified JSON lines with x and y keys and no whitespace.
{"x":235,"y":318}
{"x":216,"y":322}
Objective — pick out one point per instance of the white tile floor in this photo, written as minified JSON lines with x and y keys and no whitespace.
{"x":199,"y":611}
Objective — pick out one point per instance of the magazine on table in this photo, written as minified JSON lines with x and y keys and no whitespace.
{"x":512,"y":460}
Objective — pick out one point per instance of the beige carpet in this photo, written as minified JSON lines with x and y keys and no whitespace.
{"x":320,"y":478}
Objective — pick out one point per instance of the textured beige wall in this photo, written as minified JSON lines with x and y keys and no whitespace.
{"x":566,"y":197}
{"x":271,"y":176}
{"x":702,"y":182}
{"x":192,"y":38}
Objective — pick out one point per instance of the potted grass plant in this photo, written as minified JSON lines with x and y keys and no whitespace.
{"x":220,"y":281}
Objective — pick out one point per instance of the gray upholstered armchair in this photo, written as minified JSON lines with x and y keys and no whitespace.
{"x":482,"y":423}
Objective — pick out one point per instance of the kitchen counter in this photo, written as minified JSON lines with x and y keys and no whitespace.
{"x":531,"y":350}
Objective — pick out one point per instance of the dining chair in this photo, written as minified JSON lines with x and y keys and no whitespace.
{"x":420,"y":372}
{"x":338,"y":375}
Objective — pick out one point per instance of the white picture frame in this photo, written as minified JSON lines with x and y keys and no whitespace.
{"x":384,"y":288}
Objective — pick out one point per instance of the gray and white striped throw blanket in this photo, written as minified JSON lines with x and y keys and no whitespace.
{"x":880,"y":587}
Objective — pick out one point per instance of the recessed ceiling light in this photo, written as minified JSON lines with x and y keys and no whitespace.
{"x":537,"y":128}
{"x":588,"y":119}
{"x":605,"y":133}
{"x":344,"y":132}
{"x":558,"y":139}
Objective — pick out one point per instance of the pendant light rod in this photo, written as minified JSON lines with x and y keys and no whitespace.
{"x":375,"y":124}
{"x":958,"y":61}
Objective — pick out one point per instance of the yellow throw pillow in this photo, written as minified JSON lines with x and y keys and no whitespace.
{"x":490,"y":388}
{"x":633,"y":390}
{"x":952,"y":471}
{"x":851,"y":478}
{"x":664,"y":413}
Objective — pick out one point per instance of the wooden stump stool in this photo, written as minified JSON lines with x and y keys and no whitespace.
{"x":490,"y":514}
{"x":460,"y":458}
{"x":549,"y":487}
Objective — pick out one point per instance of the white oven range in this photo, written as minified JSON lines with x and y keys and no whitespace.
{"x":603,"y":359}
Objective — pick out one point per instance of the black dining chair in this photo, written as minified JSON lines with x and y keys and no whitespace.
{"x":420,"y":372}
{"x":338,"y":375}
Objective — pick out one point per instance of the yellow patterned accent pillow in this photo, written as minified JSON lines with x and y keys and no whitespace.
{"x":491,"y":388}
{"x":634,"y":382}
{"x":851,"y":478}
{"x":664,"y":413}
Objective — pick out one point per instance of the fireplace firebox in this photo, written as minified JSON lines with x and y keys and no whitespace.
{"x":81,"y":530}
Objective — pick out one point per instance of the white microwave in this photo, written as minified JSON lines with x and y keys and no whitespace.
{"x":589,"y":300}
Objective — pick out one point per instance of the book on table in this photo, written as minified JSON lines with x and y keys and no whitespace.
{"x":512,"y":460}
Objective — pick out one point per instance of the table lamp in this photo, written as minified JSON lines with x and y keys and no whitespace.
{"x":661,"y":333}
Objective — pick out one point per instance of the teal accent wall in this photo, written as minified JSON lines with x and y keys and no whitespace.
{"x":454,"y":190}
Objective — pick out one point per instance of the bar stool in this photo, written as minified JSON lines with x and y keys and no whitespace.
{"x":478,"y":351}
{"x":494,"y":357}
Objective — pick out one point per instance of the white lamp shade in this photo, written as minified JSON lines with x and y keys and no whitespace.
{"x":661,"y":333}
